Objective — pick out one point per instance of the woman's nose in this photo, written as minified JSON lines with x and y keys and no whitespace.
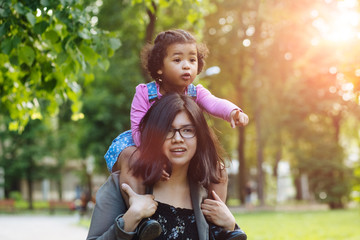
{"x":177,"y":137}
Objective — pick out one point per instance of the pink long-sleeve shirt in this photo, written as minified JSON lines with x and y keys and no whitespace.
{"x":213,"y":105}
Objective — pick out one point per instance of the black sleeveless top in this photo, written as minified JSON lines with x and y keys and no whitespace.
{"x":176,"y":223}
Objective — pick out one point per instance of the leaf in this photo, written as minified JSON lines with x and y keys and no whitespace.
{"x":114,"y":43}
{"x":104,"y":64}
{"x":3,"y":59}
{"x":5,"y":11}
{"x":61,"y":58}
{"x":4,"y":28}
{"x":26,"y":55}
{"x":9,"y":44}
{"x":19,"y":8}
{"x":52,"y":36}
{"x":31,"y":18}
{"x":45,"y":3}
{"x":89,"y":78}
{"x":6,"y":46}
{"x":40,"y":27}
{"x":14,"y":126}
{"x":89,"y":54}
{"x":84,"y":33}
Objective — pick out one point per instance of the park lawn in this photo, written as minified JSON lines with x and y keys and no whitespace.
{"x":312,"y":225}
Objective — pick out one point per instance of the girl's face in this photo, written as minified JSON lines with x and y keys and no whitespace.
{"x":179,"y":149}
{"x":180,"y":67}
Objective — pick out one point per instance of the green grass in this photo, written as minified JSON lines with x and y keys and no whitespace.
{"x":311,"y":225}
{"x":314,"y":225}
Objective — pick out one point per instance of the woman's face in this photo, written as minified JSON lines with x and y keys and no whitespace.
{"x":179,"y":149}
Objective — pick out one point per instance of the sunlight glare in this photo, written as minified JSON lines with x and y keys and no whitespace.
{"x":332,"y":70}
{"x":357,"y":72}
{"x":347,"y":96}
{"x":332,"y":89}
{"x":347,"y":87}
{"x":339,"y":25}
{"x":246,"y":42}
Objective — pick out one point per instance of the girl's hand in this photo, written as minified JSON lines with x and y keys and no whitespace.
{"x":218,"y":213}
{"x":238,"y":118}
{"x":140,"y":206}
{"x":165,"y":175}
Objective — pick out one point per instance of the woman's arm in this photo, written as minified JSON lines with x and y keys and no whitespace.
{"x":111,"y":220}
{"x":107,"y":215}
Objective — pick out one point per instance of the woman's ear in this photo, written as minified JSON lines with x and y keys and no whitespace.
{"x":159,"y":72}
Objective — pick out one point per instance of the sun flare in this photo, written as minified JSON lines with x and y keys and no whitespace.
{"x":339,"y":23}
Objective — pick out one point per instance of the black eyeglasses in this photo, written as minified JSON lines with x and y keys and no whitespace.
{"x":185,"y":132}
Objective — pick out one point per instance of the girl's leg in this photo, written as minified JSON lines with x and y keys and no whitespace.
{"x":123,"y":163}
{"x":220,"y":188}
{"x":148,"y":229}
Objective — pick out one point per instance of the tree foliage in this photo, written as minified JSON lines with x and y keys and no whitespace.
{"x":47,"y":52}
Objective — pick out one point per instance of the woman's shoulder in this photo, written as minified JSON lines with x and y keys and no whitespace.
{"x":111,"y":186}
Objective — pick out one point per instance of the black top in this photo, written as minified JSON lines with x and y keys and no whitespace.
{"x":176,"y":223}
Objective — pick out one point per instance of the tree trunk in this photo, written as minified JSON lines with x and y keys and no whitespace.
{"x":260,"y":159}
{"x":298,"y":187}
{"x":59,"y":187}
{"x":29,"y":179}
{"x":257,"y":109}
{"x":242,"y":165}
{"x":150,"y":29}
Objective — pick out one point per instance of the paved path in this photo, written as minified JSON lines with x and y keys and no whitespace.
{"x":18,"y":227}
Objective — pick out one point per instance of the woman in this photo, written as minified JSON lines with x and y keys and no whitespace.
{"x":174,"y":134}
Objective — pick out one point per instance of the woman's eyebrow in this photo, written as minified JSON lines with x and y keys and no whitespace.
{"x":184,"y":125}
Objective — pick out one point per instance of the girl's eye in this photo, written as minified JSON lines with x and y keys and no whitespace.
{"x":193,"y":60}
{"x":177,"y":60}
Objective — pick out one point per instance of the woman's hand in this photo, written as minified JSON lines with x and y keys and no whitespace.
{"x":238,"y":118}
{"x":140,"y":206}
{"x":216,"y":212}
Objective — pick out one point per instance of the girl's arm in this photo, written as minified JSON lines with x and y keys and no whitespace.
{"x":221,"y":108}
{"x":218,"y":107}
{"x":140,"y":105}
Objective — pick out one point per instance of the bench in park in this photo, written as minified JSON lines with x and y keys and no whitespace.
{"x":63,"y":205}
{"x":7,"y":205}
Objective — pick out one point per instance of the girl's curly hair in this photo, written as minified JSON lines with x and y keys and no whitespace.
{"x":152,"y":55}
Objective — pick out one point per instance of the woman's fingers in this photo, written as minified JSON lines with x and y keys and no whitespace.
{"x":128,"y":190}
{"x":215,"y":196}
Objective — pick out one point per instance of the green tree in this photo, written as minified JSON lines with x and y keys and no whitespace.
{"x":47,"y":48}
{"x":21,"y":158}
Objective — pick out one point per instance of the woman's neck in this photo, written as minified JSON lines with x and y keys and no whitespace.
{"x":175,"y":191}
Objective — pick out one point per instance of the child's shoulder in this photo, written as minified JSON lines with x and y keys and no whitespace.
{"x":201,"y":89}
{"x":143,"y":87}
{"x":147,"y":90}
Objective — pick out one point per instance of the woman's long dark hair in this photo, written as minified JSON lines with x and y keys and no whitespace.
{"x":204,"y":166}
